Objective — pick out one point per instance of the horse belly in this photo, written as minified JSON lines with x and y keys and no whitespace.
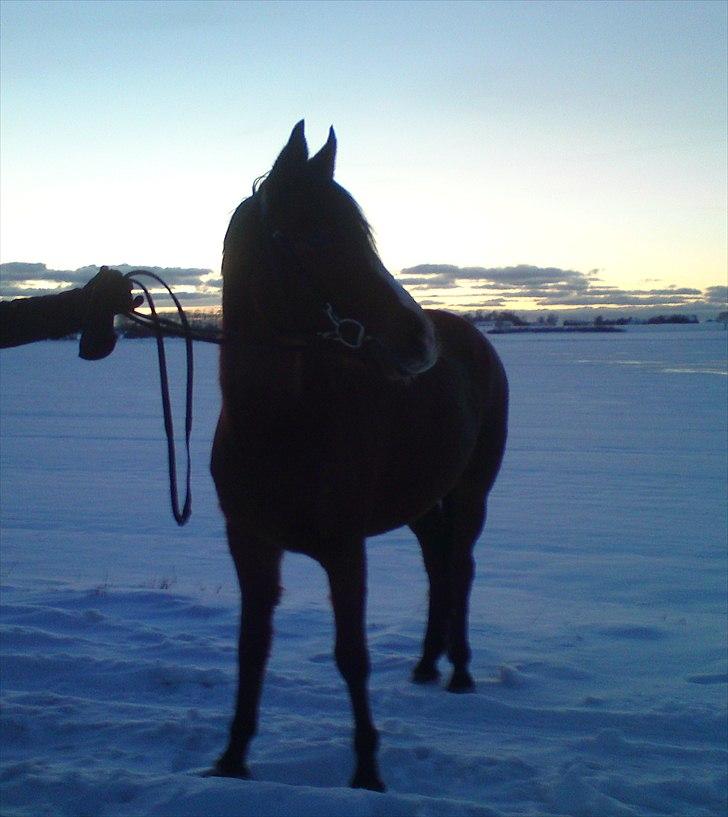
{"x":422,"y":469}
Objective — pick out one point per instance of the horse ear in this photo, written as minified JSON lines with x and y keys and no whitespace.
{"x":294,"y":154}
{"x":323,"y":162}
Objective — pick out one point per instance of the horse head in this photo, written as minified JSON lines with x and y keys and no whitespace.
{"x":301,"y":251}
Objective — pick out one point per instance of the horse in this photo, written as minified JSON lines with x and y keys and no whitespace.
{"x":347,"y":411}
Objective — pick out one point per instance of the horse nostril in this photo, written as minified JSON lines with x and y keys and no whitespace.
{"x":421,"y":347}
{"x":419,"y":343}
{"x":424,"y":337}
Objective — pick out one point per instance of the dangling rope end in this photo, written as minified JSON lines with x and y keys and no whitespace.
{"x":181,"y":517}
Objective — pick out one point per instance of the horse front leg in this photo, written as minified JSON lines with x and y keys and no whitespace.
{"x":432,"y":535}
{"x":466,"y":510}
{"x":347,"y":579}
{"x":258,"y":569}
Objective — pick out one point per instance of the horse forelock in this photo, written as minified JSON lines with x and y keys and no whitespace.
{"x":335,"y":212}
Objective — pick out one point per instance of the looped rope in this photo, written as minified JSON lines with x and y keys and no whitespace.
{"x":346,"y":331}
{"x":160,"y":327}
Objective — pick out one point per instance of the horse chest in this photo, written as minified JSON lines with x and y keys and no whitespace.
{"x":299,"y":457}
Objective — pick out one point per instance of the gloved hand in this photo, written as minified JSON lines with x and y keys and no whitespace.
{"x":107,"y":294}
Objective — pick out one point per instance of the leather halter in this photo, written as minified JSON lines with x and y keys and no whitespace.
{"x":349,"y":332}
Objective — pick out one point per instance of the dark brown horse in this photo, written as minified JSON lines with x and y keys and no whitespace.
{"x":347,"y":411}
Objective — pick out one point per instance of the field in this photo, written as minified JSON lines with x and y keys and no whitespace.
{"x":598,"y":618}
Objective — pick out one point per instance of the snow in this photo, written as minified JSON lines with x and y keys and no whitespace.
{"x":598,"y":614}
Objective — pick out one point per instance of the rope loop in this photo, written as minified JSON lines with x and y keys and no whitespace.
{"x":161,"y":327}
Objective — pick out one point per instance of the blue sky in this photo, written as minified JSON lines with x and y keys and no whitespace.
{"x":587,"y":138}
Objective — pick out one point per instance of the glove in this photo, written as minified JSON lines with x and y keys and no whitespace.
{"x":107,"y":294}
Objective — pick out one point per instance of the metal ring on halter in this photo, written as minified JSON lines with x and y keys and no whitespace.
{"x":348,"y":325}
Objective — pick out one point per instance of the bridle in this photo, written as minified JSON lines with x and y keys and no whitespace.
{"x":349,"y":332}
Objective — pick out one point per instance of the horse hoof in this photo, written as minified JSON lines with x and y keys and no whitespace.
{"x":425,"y":675}
{"x":370,"y":782}
{"x":461,"y":681}
{"x":225,"y":769}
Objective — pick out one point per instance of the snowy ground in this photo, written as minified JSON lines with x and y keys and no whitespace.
{"x":598,"y":615}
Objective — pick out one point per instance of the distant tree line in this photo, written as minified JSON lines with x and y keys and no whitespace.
{"x":673,"y":319}
{"x":481,"y":316}
{"x":552,"y":319}
{"x":201,"y":320}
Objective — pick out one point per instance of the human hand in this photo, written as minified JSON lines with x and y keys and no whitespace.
{"x":110,"y":292}
{"x":107,"y":294}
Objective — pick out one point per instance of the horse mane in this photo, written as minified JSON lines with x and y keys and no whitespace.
{"x":344,"y":208}
{"x":259,"y":180}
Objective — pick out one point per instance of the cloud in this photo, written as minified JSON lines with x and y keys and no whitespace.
{"x":717,"y":295}
{"x":19,"y":271}
{"x":548,"y":287}
{"x":21,"y":278}
{"x":445,"y":285}
{"x":522,"y":278}
{"x":618,"y":299}
{"x":520,"y":275}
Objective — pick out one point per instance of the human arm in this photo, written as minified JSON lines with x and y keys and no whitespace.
{"x":24,"y":320}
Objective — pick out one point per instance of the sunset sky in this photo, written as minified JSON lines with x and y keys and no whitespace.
{"x":508,"y":155}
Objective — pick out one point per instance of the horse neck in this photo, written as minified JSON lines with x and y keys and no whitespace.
{"x":246,"y":318}
{"x":255,"y":357}
{"x":241,"y":322}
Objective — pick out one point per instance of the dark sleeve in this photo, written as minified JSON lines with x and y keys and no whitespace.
{"x":24,"y":320}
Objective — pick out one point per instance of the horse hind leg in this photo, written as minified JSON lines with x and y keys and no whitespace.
{"x":258,"y":569}
{"x":431,"y":533}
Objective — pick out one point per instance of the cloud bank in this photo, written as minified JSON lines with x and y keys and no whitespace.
{"x":444,"y":285}
{"x":545,"y":288}
{"x":18,"y":278}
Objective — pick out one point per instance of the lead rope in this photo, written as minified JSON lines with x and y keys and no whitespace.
{"x":347,"y":331}
{"x":160,"y":325}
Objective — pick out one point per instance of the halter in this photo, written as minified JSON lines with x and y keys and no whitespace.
{"x":349,"y":332}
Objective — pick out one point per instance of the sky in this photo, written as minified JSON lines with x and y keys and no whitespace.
{"x":507,"y":154}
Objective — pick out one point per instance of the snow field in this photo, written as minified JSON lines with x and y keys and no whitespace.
{"x":598,"y":614}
